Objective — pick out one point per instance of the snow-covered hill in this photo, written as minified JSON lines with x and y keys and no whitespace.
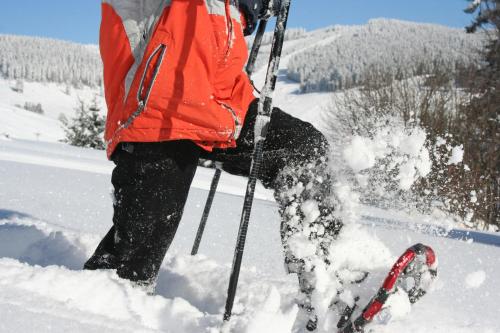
{"x":336,"y":57}
{"x":389,"y":45}
{"x":49,"y":60}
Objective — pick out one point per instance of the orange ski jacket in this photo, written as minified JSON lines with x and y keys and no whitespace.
{"x":174,"y":70}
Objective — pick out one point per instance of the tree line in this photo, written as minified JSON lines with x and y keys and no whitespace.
{"x":49,"y":60}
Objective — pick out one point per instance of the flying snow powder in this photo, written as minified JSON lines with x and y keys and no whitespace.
{"x":457,"y":155}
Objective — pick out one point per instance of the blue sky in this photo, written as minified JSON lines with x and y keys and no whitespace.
{"x":78,"y":20}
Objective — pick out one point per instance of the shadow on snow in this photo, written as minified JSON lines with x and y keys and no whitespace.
{"x":34,"y":246}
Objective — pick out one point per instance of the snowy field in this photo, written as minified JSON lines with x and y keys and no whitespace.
{"x":55,"y":101}
{"x":55,"y":205}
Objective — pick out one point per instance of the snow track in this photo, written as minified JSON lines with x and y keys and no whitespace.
{"x":44,"y":264}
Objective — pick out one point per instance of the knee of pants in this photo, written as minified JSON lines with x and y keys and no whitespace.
{"x":295,"y":135}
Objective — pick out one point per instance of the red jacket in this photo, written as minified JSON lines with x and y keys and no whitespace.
{"x":174,"y":70}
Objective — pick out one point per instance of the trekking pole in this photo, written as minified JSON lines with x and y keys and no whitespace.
{"x":256,"y":47}
{"x":261,"y":126}
{"x":215,"y":180}
{"x":206,"y":211}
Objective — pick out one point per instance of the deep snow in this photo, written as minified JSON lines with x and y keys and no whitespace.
{"x":51,"y":218}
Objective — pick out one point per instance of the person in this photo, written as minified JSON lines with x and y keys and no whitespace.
{"x":176,"y":92}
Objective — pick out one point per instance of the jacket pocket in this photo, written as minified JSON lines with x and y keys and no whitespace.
{"x":146,"y":86}
{"x":144,"y":90}
{"x":237,"y":124}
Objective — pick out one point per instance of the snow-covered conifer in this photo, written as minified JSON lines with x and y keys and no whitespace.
{"x":86,"y":129}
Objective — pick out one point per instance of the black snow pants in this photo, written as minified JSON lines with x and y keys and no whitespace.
{"x":152,"y":180}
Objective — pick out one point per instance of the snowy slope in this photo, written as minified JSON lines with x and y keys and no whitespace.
{"x":18,"y":54}
{"x":20,"y":123}
{"x":386,"y":44}
{"x":52,"y":216}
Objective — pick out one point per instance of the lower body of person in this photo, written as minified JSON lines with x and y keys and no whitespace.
{"x":152,"y":180}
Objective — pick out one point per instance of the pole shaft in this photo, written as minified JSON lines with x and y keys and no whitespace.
{"x":264,"y":115}
{"x":215,"y":181}
{"x":206,"y":211}
{"x":256,"y":47}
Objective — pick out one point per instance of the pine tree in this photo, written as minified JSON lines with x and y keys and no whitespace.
{"x":19,"y":86}
{"x":87,"y":127}
{"x":34,"y":107}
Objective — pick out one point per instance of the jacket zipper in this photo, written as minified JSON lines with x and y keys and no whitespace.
{"x":142,"y":102}
{"x":237,"y":124}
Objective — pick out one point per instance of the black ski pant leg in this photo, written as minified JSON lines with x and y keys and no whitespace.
{"x":151,"y":184}
{"x":295,"y":165}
